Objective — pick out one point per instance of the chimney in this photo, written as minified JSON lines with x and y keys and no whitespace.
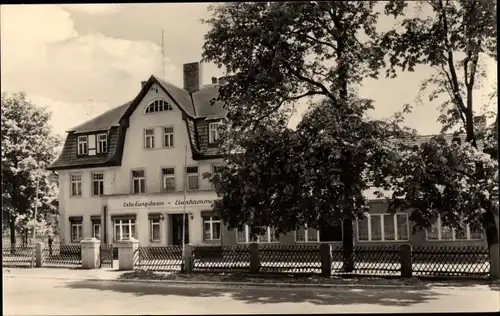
{"x":143,"y":83}
{"x":214,"y":80}
{"x":480,"y":122}
{"x":191,"y":77}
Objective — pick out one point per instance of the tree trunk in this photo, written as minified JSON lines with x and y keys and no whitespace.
{"x":348,"y":244}
{"x":343,"y":71}
{"x":12,"y":226}
{"x":492,"y":237}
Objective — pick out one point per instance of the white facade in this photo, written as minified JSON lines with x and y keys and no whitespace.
{"x":118,"y":188}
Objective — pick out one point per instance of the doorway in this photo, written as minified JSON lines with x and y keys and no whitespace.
{"x":177,"y":229}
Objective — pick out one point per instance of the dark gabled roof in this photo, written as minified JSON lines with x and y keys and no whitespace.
{"x":68,"y":159}
{"x":420,"y":139}
{"x":182,"y":97}
{"x":202,"y":103}
{"x":102,"y":122}
{"x":196,"y":108}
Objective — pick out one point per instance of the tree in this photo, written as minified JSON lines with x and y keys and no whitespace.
{"x":27,"y":147}
{"x":313,"y":176}
{"x":276,"y":54}
{"x":439,"y":178}
{"x":455,"y":38}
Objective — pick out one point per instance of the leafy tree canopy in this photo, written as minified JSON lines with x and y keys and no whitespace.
{"x":439,"y":178}
{"x":455,"y":38}
{"x":313,"y":175}
{"x":454,"y":181}
{"x":276,"y":53}
{"x":27,"y":147}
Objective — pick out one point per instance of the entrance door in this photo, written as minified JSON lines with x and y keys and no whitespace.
{"x":177,"y":229}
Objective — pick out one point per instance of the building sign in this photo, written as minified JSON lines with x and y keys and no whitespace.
{"x":159,"y":203}
{"x":143,"y":204}
{"x":194,"y":202}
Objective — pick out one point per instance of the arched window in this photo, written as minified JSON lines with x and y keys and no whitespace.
{"x":158,"y":106}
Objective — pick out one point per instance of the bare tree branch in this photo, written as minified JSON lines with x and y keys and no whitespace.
{"x":451,"y":62}
{"x":475,"y":61}
{"x":452,"y":94}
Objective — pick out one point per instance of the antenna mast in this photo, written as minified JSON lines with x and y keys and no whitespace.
{"x":162,"y":57}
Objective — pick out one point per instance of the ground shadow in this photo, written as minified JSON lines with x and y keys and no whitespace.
{"x":269,"y":295}
{"x":419,"y":281}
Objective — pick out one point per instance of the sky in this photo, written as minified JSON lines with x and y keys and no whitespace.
{"x":83,"y":59}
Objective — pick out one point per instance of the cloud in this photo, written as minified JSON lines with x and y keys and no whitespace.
{"x":95,"y":9}
{"x":66,"y":115}
{"x":44,"y":56}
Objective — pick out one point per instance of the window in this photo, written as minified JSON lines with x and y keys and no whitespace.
{"x":211,"y":228}
{"x":124,"y":228}
{"x":76,"y":231}
{"x":96,"y":230}
{"x":304,"y":234}
{"x":243,"y":236}
{"x":213,"y":132}
{"x":168,"y":175}
{"x":192,"y":178}
{"x":149,"y":138}
{"x":138,"y":181}
{"x":98,"y":183}
{"x":168,"y":137}
{"x":102,"y":143}
{"x":82,"y":145}
{"x":384,"y":227}
{"x":326,"y":233}
{"x":158,"y":106}
{"x":439,"y":232}
{"x":76,"y":185}
{"x":154,"y":230}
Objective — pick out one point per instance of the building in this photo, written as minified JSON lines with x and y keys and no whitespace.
{"x":122,"y":174}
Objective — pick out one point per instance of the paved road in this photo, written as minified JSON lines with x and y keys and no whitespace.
{"x":35,"y":296}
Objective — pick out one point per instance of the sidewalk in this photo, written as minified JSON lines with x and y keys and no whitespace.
{"x":230,"y":279}
{"x":62,"y":273}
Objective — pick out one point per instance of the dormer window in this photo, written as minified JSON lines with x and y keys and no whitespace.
{"x":102,"y":143}
{"x":213,"y":131}
{"x":158,"y":106}
{"x":82,"y":145}
{"x":92,"y":144}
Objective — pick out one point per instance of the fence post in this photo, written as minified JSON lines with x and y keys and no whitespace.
{"x":188,"y":258}
{"x":406,"y":261}
{"x":254,"y":258}
{"x":91,"y":253}
{"x":325,"y":251}
{"x":494,"y":262}
{"x":126,"y":250}
{"x":39,"y":246}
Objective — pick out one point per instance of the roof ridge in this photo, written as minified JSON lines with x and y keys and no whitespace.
{"x":167,"y":85}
